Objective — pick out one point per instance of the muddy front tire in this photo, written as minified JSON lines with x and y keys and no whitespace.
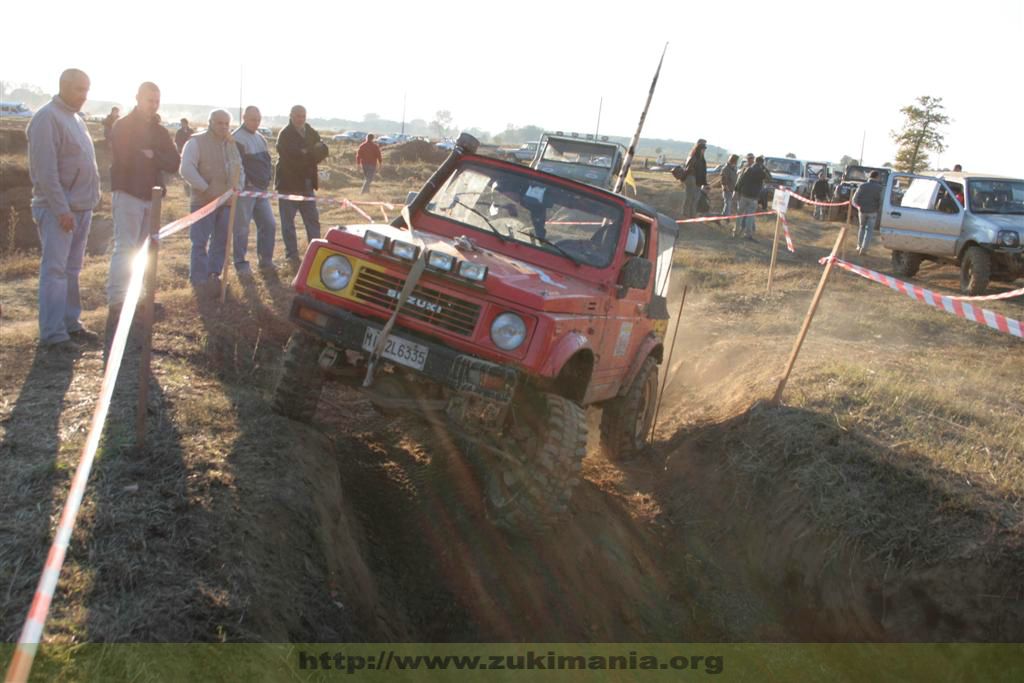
{"x":298,"y":390}
{"x":626,"y":420}
{"x":528,"y":487}
{"x":975,"y":271}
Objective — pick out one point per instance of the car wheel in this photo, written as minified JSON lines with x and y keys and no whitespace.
{"x":905,"y":263}
{"x":975,"y":271}
{"x":528,"y":487}
{"x":298,"y":391}
{"x":626,"y":420}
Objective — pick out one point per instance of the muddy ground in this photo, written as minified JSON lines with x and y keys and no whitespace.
{"x":880,"y":502}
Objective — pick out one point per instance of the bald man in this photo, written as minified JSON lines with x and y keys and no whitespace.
{"x":209,"y":163}
{"x":65,"y":190}
{"x":142,"y":151}
{"x":299,"y":150}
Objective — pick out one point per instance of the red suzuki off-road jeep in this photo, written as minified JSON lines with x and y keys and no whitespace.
{"x":522,"y":298}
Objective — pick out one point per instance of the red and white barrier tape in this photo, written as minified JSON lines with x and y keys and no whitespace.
{"x":807,"y":200}
{"x":785,"y":232}
{"x":195,"y":216}
{"x":952,"y":305}
{"x":344,"y":203}
{"x":711,"y":219}
{"x":32,"y":631}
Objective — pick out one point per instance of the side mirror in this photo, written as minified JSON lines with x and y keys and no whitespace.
{"x":635,"y":273}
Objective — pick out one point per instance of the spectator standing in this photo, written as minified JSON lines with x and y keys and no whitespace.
{"x":368,"y":158}
{"x":258,"y":171}
{"x":183,"y":135}
{"x":748,"y":189}
{"x":728,"y":176}
{"x":868,"y":201}
{"x":109,"y":121}
{"x":957,"y":168}
{"x":820,"y":193}
{"x":696,"y":169}
{"x":142,"y":151}
{"x":209,"y":163}
{"x":65,"y":190}
{"x":299,"y":150}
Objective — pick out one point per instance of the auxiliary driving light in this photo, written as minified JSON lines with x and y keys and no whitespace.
{"x":508,"y":331}
{"x":375,"y":240}
{"x":440,"y":261}
{"x":472,"y":271}
{"x":404,"y":250}
{"x":336,"y":272}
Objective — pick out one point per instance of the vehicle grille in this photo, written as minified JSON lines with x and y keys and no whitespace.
{"x":428,"y":305}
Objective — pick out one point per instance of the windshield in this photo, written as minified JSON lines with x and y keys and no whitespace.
{"x":541,"y":214}
{"x":784,"y":166}
{"x":813,"y":169}
{"x":577,"y":152}
{"x":860,"y":173}
{"x":996,"y":196}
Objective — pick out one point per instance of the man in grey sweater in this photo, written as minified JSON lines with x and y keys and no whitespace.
{"x":65,"y":190}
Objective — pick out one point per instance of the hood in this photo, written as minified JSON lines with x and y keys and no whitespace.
{"x":509,"y":276}
{"x":1002,"y":221}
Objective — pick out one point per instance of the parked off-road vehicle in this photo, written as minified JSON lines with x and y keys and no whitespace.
{"x":580,"y":157}
{"x":522,"y":298}
{"x":971,"y":220}
{"x":854,"y":177}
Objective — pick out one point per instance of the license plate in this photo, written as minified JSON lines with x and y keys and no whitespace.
{"x":401,"y":351}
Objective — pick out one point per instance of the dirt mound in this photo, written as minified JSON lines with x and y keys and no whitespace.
{"x":12,"y":138}
{"x":414,"y":151}
{"x":861,"y":542}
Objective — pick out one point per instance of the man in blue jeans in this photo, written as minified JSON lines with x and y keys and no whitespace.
{"x":211,"y":164}
{"x":258,"y":170}
{"x":868,"y":202}
{"x":300,"y":150}
{"x":65,"y":189}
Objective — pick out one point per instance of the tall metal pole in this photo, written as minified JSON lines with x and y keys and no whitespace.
{"x":404,"y":96}
{"x":631,"y":152}
{"x":240,"y":71}
{"x":860,"y":162}
{"x":598,"y":128}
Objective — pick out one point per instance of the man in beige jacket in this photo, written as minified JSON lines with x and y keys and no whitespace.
{"x":211,"y":164}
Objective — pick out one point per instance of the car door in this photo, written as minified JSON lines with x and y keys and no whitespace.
{"x":920,"y":214}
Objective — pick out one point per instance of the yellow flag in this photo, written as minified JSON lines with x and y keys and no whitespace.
{"x":630,"y":180}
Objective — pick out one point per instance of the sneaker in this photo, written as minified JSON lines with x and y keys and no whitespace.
{"x":84,"y":336}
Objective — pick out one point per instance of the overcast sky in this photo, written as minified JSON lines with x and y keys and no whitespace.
{"x":810,"y":78}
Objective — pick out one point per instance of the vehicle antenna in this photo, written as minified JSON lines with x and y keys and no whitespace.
{"x":598,"y":128}
{"x":628,"y":161}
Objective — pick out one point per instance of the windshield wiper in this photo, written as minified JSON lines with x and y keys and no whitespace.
{"x":548,"y":242}
{"x":490,"y":225}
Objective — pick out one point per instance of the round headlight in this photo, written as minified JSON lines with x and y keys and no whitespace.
{"x":508,"y":331}
{"x":335,"y":272}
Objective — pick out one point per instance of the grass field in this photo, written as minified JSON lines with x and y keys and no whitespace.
{"x":882,"y":501}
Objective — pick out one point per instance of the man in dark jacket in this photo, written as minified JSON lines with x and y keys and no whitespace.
{"x":819,"y":193}
{"x":258,"y":168}
{"x":868,"y":202}
{"x":748,"y":189}
{"x":183,"y":135}
{"x":300,"y":150}
{"x":142,"y":152}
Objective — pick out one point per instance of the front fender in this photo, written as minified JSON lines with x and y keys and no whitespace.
{"x":564,"y":349}
{"x":651,"y":346}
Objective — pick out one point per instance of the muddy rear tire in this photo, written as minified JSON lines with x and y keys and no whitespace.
{"x":527,"y":491}
{"x":298,"y":391}
{"x":905,"y":263}
{"x":975,"y":271}
{"x":626,"y":420}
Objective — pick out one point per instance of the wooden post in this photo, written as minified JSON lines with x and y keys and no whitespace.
{"x":775,"y":251}
{"x":228,"y":242}
{"x":146,"y":353}
{"x":807,"y":320}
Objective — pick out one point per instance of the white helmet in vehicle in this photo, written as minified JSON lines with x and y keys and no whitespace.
{"x":636,"y":241}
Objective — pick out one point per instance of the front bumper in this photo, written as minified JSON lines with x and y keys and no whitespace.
{"x":463,"y":373}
